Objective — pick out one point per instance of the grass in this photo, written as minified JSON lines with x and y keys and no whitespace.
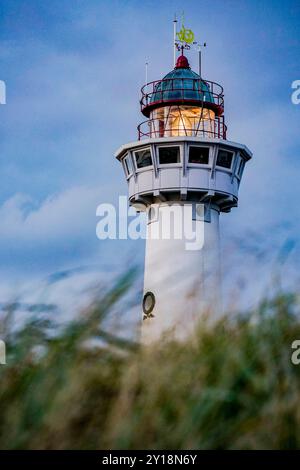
{"x":230,"y":386}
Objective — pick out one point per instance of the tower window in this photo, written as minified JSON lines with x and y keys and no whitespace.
{"x":169,"y":155}
{"x":241,"y":167}
{"x":148,"y":305}
{"x":199,"y":155}
{"x":128,"y":165}
{"x":143,"y":158}
{"x":224,"y":159}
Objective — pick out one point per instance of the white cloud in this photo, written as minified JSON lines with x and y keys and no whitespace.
{"x":63,"y":215}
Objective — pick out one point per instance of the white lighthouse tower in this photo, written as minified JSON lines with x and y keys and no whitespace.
{"x":184,"y":172}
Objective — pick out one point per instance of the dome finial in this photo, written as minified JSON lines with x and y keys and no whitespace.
{"x":182,"y":62}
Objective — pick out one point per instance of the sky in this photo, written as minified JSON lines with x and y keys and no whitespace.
{"x":73,"y":71}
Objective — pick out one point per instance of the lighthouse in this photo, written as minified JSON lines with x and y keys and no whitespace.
{"x":184,"y":172}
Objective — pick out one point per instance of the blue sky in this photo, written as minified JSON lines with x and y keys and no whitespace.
{"x":73,"y":71}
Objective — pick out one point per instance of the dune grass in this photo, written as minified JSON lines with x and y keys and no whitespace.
{"x":230,"y":386}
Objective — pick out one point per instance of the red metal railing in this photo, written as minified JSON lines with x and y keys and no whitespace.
{"x":210,"y":128}
{"x":152,"y":93}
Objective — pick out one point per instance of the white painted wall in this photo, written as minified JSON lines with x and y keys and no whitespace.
{"x":186,"y":283}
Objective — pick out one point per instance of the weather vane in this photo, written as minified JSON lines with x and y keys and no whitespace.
{"x":185,"y":35}
{"x":184,"y":39}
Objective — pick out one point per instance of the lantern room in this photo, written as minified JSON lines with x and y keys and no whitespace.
{"x":182,"y":104}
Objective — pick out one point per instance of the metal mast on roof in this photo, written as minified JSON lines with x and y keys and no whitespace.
{"x":198,"y":45}
{"x":174,"y":39}
{"x":146,"y":71}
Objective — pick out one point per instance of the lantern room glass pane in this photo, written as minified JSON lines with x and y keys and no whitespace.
{"x":169,"y":155}
{"x":143,"y":158}
{"x":173,"y":121}
{"x":224,"y":159}
{"x":199,"y":155}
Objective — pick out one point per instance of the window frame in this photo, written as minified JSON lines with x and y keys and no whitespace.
{"x":127,"y":171}
{"x":240,"y":167}
{"x":169,"y":165}
{"x":223,"y":168}
{"x":199,"y":165}
{"x":144,"y":168}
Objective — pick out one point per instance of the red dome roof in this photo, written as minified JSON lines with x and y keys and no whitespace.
{"x":182,"y":63}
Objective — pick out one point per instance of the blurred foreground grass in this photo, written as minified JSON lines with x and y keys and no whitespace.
{"x":230,"y":386}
